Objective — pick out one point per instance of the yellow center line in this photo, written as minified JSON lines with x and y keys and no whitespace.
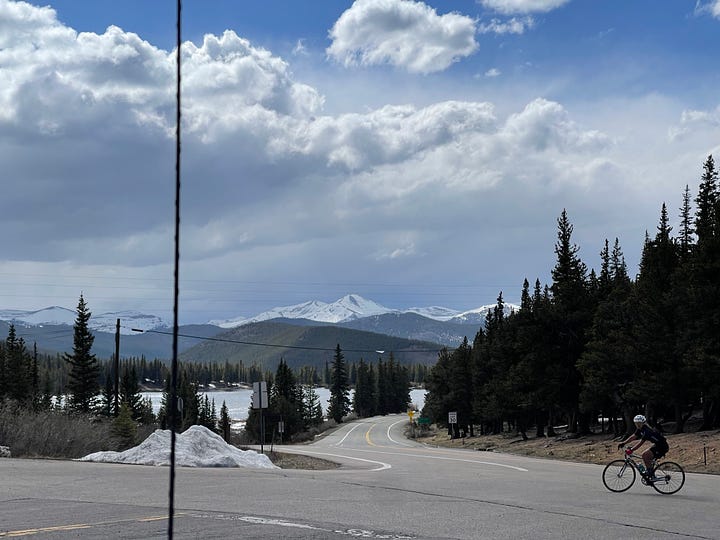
{"x":75,"y":526}
{"x":367,"y":436}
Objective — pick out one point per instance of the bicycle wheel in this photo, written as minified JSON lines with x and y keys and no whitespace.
{"x":618,"y":476}
{"x":671,"y":477}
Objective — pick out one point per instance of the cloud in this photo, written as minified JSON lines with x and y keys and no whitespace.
{"x":513,"y":26}
{"x":402,"y":33}
{"x":493,"y":72}
{"x":712,"y":7}
{"x":277,"y":188}
{"x":694,"y":121}
{"x":523,"y":6}
{"x":300,"y":49}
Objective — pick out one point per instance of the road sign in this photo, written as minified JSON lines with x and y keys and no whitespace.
{"x":410,"y":414}
{"x":452,"y":418}
{"x":423,"y":420}
{"x":260,"y":395}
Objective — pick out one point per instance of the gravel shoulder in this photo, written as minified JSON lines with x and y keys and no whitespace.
{"x":697,"y":452}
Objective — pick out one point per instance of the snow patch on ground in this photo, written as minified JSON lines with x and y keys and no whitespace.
{"x":196,"y":447}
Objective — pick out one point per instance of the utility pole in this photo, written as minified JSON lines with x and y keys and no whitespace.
{"x":117,"y":367}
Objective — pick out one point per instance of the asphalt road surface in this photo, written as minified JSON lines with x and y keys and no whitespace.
{"x":387,"y":487}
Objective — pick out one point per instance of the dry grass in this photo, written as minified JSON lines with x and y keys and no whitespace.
{"x":691,"y":450}
{"x":56,"y":434}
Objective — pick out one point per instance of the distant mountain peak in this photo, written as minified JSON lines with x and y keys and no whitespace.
{"x":349,"y":307}
{"x":103,"y":322}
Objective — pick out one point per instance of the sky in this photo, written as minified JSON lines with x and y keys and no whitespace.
{"x":415,"y":153}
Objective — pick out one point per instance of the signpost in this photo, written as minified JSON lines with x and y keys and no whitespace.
{"x":260,"y":401}
{"x":452,"y":418}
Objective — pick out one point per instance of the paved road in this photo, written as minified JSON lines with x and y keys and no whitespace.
{"x":388,"y":487}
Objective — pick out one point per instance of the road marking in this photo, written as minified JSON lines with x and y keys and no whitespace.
{"x":383,"y":466}
{"x":77,"y":526}
{"x":444,"y":458}
{"x":348,"y":433}
{"x":367,"y":436}
{"x":393,"y":440}
{"x":255,"y":520}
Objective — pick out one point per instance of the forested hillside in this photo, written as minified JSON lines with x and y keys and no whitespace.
{"x":601,"y":343}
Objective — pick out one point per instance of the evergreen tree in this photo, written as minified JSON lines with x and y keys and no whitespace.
{"x":107,"y":398}
{"x":313,"y":407}
{"x":339,"y":388}
{"x":84,"y":368}
{"x":286,"y":401}
{"x":124,"y":427}
{"x":572,"y":313}
{"x":704,"y":358}
{"x":130,"y":392}
{"x":364,"y":397}
{"x":17,"y":368}
{"x":224,"y":422}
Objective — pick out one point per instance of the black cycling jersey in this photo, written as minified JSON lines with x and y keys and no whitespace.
{"x":646,"y":433}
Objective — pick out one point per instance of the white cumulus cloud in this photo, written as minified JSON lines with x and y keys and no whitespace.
{"x":512,"y":26}
{"x":403,"y":33}
{"x":523,"y":6}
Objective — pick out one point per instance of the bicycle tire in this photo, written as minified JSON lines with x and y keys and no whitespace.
{"x":671,"y":478}
{"x":618,"y":476}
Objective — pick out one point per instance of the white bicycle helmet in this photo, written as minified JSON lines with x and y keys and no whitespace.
{"x":639,"y":418}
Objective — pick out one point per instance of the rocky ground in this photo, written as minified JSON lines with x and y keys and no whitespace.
{"x":696,"y":452}
{"x":297,"y":461}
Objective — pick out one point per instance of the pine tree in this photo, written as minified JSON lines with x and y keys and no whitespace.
{"x":364,"y":398}
{"x":17,"y":369}
{"x":130,"y":392}
{"x":224,"y":422}
{"x":313,"y":407}
{"x":572,"y":316}
{"x":705,"y":295}
{"x":339,"y":388}
{"x":124,"y":427}
{"x":82,"y":385}
{"x":286,"y":401}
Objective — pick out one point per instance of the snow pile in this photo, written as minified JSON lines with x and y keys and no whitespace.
{"x":196,"y":447}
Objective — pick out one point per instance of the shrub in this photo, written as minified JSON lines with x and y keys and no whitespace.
{"x":55,"y":433}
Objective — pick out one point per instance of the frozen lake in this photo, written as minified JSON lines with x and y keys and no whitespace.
{"x":238,"y":401}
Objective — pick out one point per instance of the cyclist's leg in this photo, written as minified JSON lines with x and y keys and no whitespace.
{"x":653,"y":454}
{"x":648,"y":457}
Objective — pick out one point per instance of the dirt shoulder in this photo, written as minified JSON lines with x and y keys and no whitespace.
{"x":691,"y":450}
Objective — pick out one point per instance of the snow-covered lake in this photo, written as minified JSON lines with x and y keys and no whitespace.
{"x":238,"y":401}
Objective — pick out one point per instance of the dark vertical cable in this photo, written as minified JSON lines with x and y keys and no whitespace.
{"x":173,"y":385}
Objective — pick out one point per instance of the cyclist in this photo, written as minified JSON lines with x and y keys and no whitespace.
{"x":645,"y":432}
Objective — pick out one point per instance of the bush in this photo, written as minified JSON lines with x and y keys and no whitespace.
{"x":55,"y":433}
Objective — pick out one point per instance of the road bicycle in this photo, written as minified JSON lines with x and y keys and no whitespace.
{"x":619,"y":475}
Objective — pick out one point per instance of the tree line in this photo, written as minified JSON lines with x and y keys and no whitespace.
{"x":600,"y":345}
{"x":380,"y":389}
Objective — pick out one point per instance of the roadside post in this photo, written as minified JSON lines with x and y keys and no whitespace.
{"x":260,"y":401}
{"x":281,"y":430}
{"x":452,"y":423}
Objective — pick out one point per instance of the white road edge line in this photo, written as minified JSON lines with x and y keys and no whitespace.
{"x":422,"y":456}
{"x":393,"y":440}
{"x":348,"y":433}
{"x":383,"y":466}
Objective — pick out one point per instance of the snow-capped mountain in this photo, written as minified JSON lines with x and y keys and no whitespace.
{"x":106,"y":322}
{"x":347,"y":308}
{"x":434,"y":312}
{"x":50,"y":316}
{"x":478,"y":315}
{"x":103,"y":322}
{"x":353,"y":306}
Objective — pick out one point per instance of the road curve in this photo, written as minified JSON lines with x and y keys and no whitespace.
{"x":387,"y":487}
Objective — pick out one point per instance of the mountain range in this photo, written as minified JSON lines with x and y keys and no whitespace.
{"x":357,"y":320}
